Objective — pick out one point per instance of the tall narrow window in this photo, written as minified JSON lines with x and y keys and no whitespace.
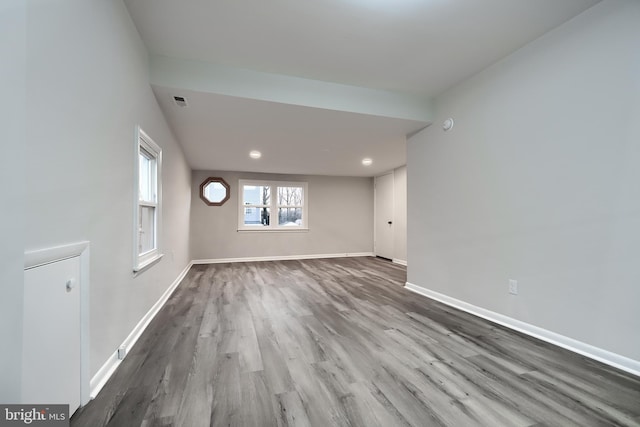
{"x":147,"y":212}
{"x":257,"y":205}
{"x":272,"y":205}
{"x":290,"y":206}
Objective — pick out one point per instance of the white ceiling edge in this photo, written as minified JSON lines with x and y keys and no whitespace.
{"x":206,"y":77}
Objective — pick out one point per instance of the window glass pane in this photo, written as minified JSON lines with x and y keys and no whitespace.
{"x":146,"y":227}
{"x":290,"y":196}
{"x":254,"y":216}
{"x":146,"y":171}
{"x":290,"y":217}
{"x":256,"y":195}
{"x":215,"y":192}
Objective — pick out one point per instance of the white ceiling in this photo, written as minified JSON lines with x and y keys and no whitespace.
{"x":417,"y":47}
{"x":298,"y":140}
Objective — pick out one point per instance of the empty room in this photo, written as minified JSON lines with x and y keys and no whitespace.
{"x":327,"y":213}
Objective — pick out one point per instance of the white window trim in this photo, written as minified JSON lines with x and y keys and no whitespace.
{"x":273,"y":226}
{"x":146,"y":259}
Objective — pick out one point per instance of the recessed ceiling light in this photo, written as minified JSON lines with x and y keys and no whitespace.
{"x":255,"y":154}
{"x":367,"y":161}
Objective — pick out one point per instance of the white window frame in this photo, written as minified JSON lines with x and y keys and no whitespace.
{"x":144,"y":143}
{"x":273,"y":206}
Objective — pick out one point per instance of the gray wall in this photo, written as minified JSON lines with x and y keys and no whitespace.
{"x":340,"y":220}
{"x":400,"y":214}
{"x":87,"y":83}
{"x":539,"y":182}
{"x":12,"y":126}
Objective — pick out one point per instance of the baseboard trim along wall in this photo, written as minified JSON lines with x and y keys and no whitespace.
{"x":108,"y":368}
{"x":281,"y":258}
{"x":612,"y":359}
{"x":399,"y":261}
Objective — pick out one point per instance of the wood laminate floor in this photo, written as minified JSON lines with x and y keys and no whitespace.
{"x":339,"y":342}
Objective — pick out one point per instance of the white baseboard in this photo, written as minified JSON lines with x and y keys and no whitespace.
{"x":280,"y":258}
{"x":104,"y":373}
{"x":399,"y":261}
{"x":612,"y":359}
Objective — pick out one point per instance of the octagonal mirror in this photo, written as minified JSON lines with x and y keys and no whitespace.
{"x":214,"y":191}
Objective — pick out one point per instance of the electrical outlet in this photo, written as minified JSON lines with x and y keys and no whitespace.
{"x":122,"y":352}
{"x":513,"y":287}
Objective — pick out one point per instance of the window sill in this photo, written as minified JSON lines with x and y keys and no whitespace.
{"x":147,"y":263}
{"x":273,"y":230}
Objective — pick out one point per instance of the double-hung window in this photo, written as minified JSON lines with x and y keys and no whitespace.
{"x":272,"y":205}
{"x":148,"y":199}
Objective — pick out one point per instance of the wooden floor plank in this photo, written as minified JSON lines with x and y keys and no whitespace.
{"x":340,"y":342}
{"x":291,"y":410}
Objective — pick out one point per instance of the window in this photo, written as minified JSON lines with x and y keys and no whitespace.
{"x":147,"y":204}
{"x":272,"y":205}
{"x":214,"y":191}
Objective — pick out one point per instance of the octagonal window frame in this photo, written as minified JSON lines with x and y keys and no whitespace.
{"x":219,"y":180}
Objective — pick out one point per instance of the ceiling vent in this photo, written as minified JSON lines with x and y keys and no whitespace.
{"x":180,"y":101}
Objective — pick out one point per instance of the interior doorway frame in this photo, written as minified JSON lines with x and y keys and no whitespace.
{"x":375,"y":214}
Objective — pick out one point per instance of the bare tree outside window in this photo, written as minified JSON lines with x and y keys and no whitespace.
{"x":290,"y":206}
{"x":266,"y":196}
